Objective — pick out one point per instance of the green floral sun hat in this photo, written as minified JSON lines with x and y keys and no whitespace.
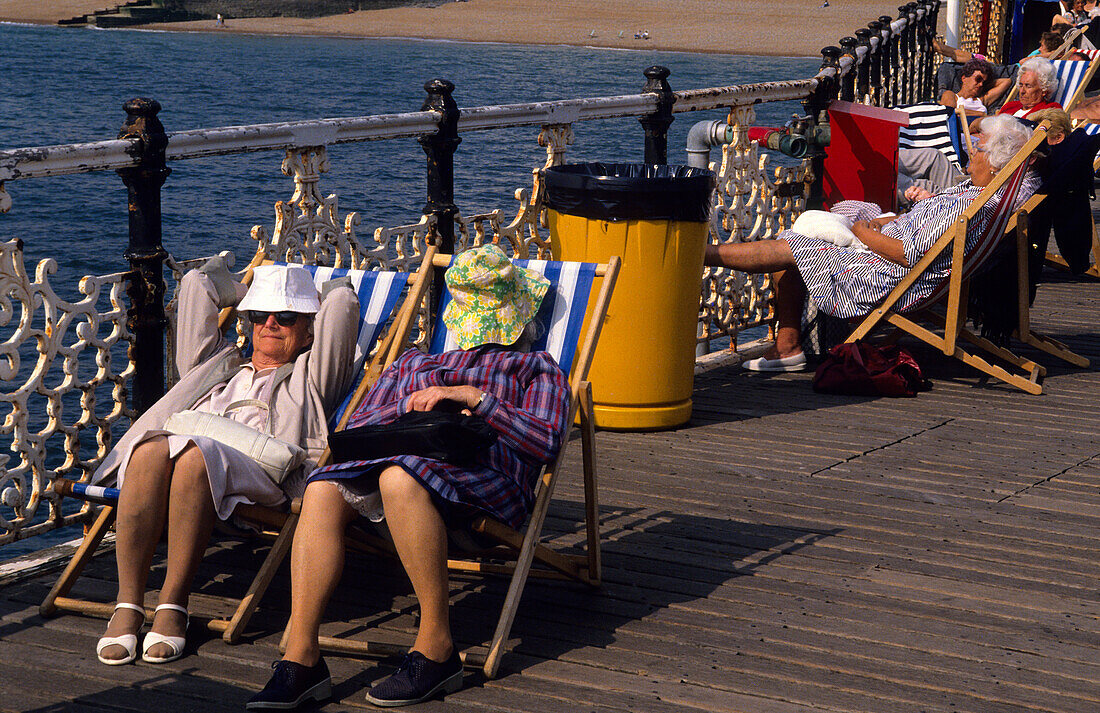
{"x":492,"y":299}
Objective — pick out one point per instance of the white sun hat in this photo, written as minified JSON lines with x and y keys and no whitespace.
{"x":281,"y":288}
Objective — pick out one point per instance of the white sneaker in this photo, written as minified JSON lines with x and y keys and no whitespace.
{"x":794,"y":362}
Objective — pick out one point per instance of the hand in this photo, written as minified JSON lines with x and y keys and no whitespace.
{"x":464,"y":397}
{"x":916,"y":193}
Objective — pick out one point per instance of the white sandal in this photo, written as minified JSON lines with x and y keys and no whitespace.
{"x":126,"y":641}
{"x":176,"y":643}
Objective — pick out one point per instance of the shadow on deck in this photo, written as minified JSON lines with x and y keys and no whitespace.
{"x":784,"y":552}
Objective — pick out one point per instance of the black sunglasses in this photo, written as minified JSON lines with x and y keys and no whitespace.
{"x":285,"y":319}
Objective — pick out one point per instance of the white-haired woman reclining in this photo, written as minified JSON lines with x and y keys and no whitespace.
{"x":848,"y":281}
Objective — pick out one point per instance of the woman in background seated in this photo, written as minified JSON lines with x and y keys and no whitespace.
{"x":1035,"y":87}
{"x":978,"y":77}
{"x":522,"y":395}
{"x":187,"y":482}
{"x":849,"y":281}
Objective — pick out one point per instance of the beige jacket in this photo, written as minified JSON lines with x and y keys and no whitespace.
{"x":305,"y":390}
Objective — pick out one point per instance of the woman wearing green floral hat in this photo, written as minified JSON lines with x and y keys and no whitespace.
{"x":522,"y":395}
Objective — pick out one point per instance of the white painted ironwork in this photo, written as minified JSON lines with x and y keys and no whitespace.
{"x":64,"y":367}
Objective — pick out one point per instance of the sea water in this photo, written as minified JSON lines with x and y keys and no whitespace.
{"x":68,"y":85}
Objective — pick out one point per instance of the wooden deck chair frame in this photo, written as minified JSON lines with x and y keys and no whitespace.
{"x":1023,"y":332}
{"x":524,"y":546}
{"x":952,"y":324}
{"x":274,"y":523}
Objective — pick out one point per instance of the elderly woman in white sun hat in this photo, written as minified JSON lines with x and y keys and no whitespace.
{"x":286,"y":387}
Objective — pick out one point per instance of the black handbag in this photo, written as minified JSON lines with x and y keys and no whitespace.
{"x":452,"y":437}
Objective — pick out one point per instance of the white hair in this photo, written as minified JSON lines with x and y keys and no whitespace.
{"x":532,"y":332}
{"x":1004,"y":137}
{"x":1044,"y":73}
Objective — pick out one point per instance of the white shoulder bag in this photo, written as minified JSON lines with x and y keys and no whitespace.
{"x":277,"y":458}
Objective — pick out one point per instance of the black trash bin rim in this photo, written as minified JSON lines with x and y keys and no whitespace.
{"x":630,"y":191}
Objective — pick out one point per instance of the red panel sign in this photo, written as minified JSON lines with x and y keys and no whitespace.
{"x":861,"y":161}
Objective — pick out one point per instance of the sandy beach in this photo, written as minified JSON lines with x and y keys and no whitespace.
{"x":791,"y":28}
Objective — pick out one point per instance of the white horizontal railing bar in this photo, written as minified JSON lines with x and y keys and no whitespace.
{"x":298,"y":134}
{"x":65,"y":159}
{"x":565,"y":111}
{"x":721,"y":97}
{"x":196,"y":143}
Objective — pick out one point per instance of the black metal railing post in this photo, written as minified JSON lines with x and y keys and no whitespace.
{"x":909,"y":52}
{"x":848,"y":81}
{"x":890,"y":61}
{"x":440,"y":148}
{"x":656,"y":123}
{"x":922,"y":43}
{"x":145,"y":287}
{"x":875,"y":75}
{"x":930,"y":24}
{"x":815,"y":106}
{"x":863,"y":80}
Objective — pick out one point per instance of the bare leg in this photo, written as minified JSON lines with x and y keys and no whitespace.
{"x":142,"y":509}
{"x":1087,"y":110}
{"x":790,"y":294}
{"x":316,"y":563}
{"x":755,"y":257}
{"x":421,"y":540}
{"x":772,"y":256}
{"x":191,"y":518}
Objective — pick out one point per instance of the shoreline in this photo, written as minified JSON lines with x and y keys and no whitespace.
{"x":689,"y":26}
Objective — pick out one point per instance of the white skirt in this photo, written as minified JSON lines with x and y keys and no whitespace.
{"x":234,"y":477}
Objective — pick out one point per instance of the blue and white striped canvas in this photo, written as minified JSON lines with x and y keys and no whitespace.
{"x":561,"y":313}
{"x":378,"y":291}
{"x":1070,"y":75}
{"x":932,"y":126}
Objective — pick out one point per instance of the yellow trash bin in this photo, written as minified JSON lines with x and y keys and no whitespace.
{"x":655,"y":218}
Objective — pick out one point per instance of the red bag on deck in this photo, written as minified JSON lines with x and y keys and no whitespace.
{"x":866,"y":370}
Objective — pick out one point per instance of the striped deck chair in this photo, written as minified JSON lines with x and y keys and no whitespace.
{"x":952,"y":291}
{"x":935,"y":126}
{"x":378,"y":293}
{"x":563,"y":312}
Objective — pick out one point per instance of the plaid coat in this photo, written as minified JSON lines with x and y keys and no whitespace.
{"x":526,"y":402}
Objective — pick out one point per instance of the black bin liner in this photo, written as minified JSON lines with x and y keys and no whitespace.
{"x":630,"y":191}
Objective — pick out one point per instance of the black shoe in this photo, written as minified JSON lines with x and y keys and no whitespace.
{"x":291,"y":685}
{"x":417,"y":679}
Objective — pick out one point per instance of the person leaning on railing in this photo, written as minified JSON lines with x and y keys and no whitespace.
{"x":189,"y":482}
{"x":848,"y":282}
{"x":522,"y":395}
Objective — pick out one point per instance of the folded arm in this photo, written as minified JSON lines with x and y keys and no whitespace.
{"x":869,"y":232}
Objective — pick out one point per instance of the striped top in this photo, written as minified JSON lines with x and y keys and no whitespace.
{"x":849,"y":282}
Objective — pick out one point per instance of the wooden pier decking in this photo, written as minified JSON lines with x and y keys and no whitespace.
{"x":785,"y":552}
